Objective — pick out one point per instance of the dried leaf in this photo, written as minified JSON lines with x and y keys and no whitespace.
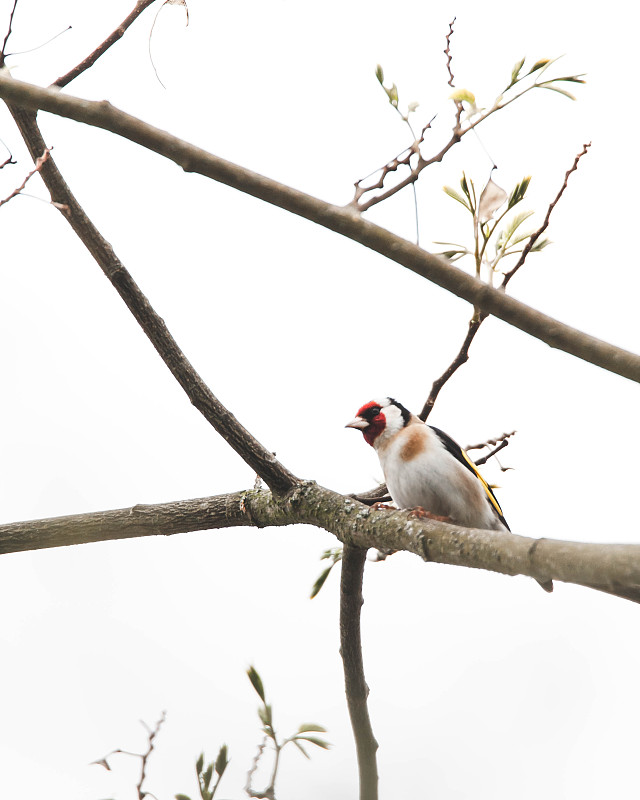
{"x":492,"y":197}
{"x":178,"y":3}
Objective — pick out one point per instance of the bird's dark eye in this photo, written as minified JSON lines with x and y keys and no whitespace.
{"x":372,"y":412}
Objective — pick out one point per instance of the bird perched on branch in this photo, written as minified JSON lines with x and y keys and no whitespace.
{"x":425,"y":469}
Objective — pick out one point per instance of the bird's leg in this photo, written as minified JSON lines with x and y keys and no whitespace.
{"x":419,"y":513}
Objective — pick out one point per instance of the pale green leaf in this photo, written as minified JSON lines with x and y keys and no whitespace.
{"x":544,"y":62}
{"x":463,"y":96}
{"x":516,"y":71}
{"x":540,"y":245}
{"x":456,"y":196}
{"x":256,"y":682}
{"x":519,"y":192}
{"x":320,"y":582}
{"x":311,"y":727}
{"x":556,"y":89}
{"x":314,"y":740}
{"x":222,"y":760}
{"x":301,"y":748}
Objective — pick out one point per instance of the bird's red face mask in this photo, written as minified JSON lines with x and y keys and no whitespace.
{"x":370,"y":420}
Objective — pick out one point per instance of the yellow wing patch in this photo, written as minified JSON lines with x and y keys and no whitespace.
{"x":487,"y":488}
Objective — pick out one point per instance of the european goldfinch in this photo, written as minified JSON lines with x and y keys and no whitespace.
{"x":425,"y":468}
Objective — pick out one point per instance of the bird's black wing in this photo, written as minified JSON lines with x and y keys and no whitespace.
{"x":459,"y":454}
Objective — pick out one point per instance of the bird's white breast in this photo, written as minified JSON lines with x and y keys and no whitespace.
{"x":420,"y":471}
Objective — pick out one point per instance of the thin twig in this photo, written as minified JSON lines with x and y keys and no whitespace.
{"x":378,"y":495}
{"x":117,"y":34}
{"x":447,"y":52}
{"x":461,"y":358}
{"x":357,"y":691}
{"x":8,"y":34}
{"x":40,"y":161}
{"x":145,"y":756}
{"x":536,"y":235}
{"x":493,"y":452}
{"x":490,"y":442}
{"x":252,"y":769}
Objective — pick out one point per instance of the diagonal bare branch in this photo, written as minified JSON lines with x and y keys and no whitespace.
{"x":341,"y":220}
{"x":462,"y":357}
{"x":537,"y":234}
{"x":275,"y":475}
{"x":117,"y":34}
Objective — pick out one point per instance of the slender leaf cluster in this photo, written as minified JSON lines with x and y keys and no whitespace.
{"x":504,"y":239}
{"x":205,"y":775}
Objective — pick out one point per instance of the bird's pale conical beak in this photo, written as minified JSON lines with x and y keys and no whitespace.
{"x":358,"y":422}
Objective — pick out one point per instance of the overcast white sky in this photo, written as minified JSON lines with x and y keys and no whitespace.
{"x":481,"y":685}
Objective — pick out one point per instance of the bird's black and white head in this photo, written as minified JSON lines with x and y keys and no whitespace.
{"x":379,"y":419}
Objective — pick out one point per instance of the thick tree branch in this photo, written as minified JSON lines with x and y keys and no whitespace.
{"x":357,"y":691}
{"x":611,"y":568}
{"x":275,"y":475}
{"x":341,"y":220}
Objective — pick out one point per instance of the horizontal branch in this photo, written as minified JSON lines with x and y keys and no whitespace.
{"x":611,"y":568}
{"x":344,"y":221}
